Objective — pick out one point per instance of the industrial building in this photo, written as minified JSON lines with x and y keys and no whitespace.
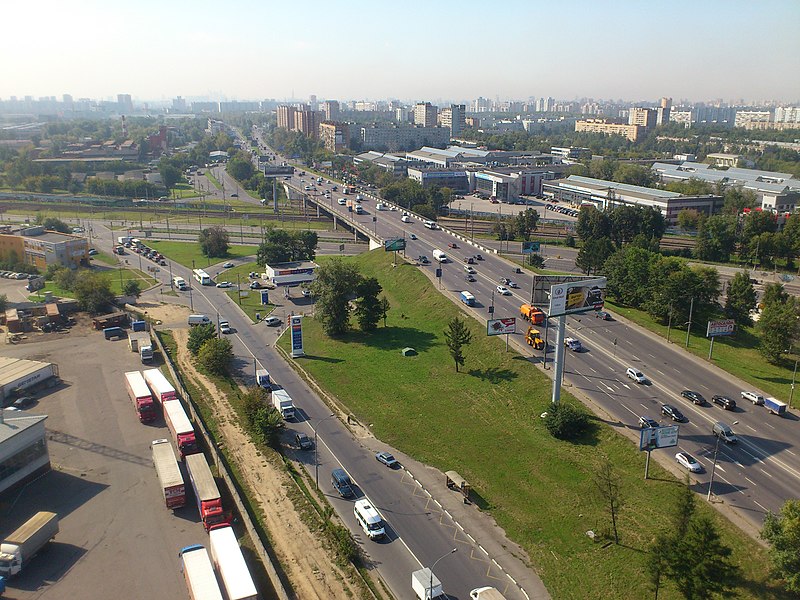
{"x":41,"y":248}
{"x":23,"y":448}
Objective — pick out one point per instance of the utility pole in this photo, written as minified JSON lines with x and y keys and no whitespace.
{"x":689,"y":322}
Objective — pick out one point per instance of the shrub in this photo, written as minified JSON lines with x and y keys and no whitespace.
{"x":565,"y":422}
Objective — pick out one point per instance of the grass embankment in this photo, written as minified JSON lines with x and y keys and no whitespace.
{"x":484,"y":422}
{"x":186,"y":252}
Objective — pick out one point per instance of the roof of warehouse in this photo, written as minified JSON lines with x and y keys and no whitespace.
{"x":17,"y":421}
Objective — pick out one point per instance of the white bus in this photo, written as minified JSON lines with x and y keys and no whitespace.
{"x":202,"y":277}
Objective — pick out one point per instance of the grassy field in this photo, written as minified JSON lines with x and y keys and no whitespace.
{"x":186,"y":252}
{"x":116,"y":279}
{"x":484,"y":422}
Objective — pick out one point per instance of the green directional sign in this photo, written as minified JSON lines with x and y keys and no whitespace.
{"x":394,"y":244}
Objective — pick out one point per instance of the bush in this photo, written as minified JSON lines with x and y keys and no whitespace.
{"x":200,"y":335}
{"x":215,"y":356}
{"x":565,"y":422}
{"x":570,"y":241}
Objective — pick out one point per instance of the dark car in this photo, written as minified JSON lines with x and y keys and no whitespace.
{"x":647,"y":423}
{"x":24,"y":402}
{"x":452,"y":245}
{"x":694,"y":397}
{"x":601,"y":314}
{"x":303,"y":441}
{"x":672,"y":412}
{"x":470,"y":277}
{"x":387,"y":459}
{"x":724,"y":402}
{"x":478,"y":257}
{"x":255,"y":285}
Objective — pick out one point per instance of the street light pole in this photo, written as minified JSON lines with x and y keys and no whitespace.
{"x":430,"y":589}
{"x":794,"y":376}
{"x":714,"y":467}
{"x":316,"y":450}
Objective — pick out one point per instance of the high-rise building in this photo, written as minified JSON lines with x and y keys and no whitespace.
{"x":453,"y":117}
{"x":425,"y":114}
{"x":335,"y":136}
{"x":644,"y":117}
{"x":312,"y":101}
{"x":286,"y":116}
{"x":662,"y":117}
{"x":307,"y":122}
{"x":545,"y":104}
{"x":179,"y":104}
{"x":331,"y":110}
{"x":125,"y":103}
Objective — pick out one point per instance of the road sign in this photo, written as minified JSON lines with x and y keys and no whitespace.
{"x":439,"y":272}
{"x":394,"y":244}
{"x":501,"y":326}
{"x":341,"y":247}
{"x":722,"y":327}
{"x":651,"y":438}
{"x":530,"y":247}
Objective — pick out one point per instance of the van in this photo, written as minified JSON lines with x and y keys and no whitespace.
{"x":405,"y":219}
{"x":180,"y":283}
{"x":195,"y":320}
{"x":439,"y":256}
{"x":724,"y":432}
{"x":341,"y":482}
{"x":369,"y":519}
{"x":114,"y":332}
{"x":431,"y":225}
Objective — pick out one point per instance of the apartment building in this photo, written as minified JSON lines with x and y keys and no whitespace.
{"x":334,"y":136}
{"x":606,"y":127}
{"x":425,"y":114}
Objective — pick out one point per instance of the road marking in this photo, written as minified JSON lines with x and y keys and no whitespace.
{"x":761,"y":505}
{"x":719,"y":468}
{"x":593,"y":370}
{"x":660,"y":372}
{"x":753,"y":483}
{"x":651,"y":355}
{"x":626,"y":386}
{"x":767,"y":474}
{"x":768,"y":425}
{"x":791,"y":452}
{"x":750,"y":428}
{"x":636,"y":358}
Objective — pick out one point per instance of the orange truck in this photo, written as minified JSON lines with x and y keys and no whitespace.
{"x":532,"y":314}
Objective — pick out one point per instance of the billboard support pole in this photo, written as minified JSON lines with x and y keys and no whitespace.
{"x":647,"y":465}
{"x":711,"y":347}
{"x":506,"y":342}
{"x":562,"y":320}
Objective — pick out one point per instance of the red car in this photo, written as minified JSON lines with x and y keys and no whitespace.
{"x":452,"y":245}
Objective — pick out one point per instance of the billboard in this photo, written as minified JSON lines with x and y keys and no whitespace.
{"x":296,"y":326}
{"x":530,"y":247}
{"x":652,"y":438}
{"x":722,"y":327}
{"x":501,"y":326}
{"x":577,"y":297}
{"x":394,"y":244}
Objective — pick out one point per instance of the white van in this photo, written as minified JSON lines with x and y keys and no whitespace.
{"x":439,"y":255}
{"x":369,"y":519}
{"x":431,"y":225}
{"x":198,"y":320}
{"x":180,"y":283}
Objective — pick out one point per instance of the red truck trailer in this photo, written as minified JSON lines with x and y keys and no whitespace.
{"x":140,"y":396}
{"x":181,"y":428}
{"x":161,"y":388}
{"x":206,"y":493}
{"x":169,"y":474}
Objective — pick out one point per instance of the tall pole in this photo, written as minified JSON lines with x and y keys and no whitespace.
{"x":430,"y":589}
{"x":689,"y":323}
{"x":191,"y":303}
{"x":669,"y":325}
{"x":714,"y":467}
{"x":316,"y":449}
{"x":791,"y":393}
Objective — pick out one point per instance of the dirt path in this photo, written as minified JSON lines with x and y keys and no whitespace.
{"x":299,"y":550}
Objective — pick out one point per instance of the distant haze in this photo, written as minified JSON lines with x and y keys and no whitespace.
{"x":413,"y":50}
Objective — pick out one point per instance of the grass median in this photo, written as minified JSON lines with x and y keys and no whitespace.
{"x":186,"y":252}
{"x":485,"y":423}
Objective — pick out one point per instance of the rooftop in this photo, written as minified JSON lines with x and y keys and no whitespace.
{"x":17,"y":421}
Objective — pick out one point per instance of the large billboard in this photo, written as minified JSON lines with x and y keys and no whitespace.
{"x":394,"y":244}
{"x":722,"y":327}
{"x":501,"y":326}
{"x":652,"y":438}
{"x":577,"y":297}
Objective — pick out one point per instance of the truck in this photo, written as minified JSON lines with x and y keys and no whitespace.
{"x":206,"y":492}
{"x":282,"y":402}
{"x":198,"y":572}
{"x":233,"y":571}
{"x":533,"y":337}
{"x":140,"y":396}
{"x":125,"y":239}
{"x":263,"y":380}
{"x":439,"y":256}
{"x":180,"y":428}
{"x":425,"y":584}
{"x":158,"y":384}
{"x":22,"y":545}
{"x":19,"y":375}
{"x":532,"y":314}
{"x":117,"y":319}
{"x":467,"y":298}
{"x":173,"y":488}
{"x":775,"y":406}
{"x":141,"y":343}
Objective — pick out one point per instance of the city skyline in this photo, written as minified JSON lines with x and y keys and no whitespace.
{"x":250,"y":51}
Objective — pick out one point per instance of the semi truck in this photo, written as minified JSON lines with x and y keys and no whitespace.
{"x":180,"y":428}
{"x":282,"y":402}
{"x":158,"y":384}
{"x":140,"y":396}
{"x":22,"y":545}
{"x":198,"y":572}
{"x":425,"y":584}
{"x":20,"y":375}
{"x":233,"y":571}
{"x":532,"y":314}
{"x":263,"y":380}
{"x":206,"y":492}
{"x":775,"y":406}
{"x":169,"y":474}
{"x":141,"y":343}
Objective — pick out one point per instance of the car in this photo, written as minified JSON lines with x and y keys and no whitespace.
{"x":753,"y":397}
{"x":387,"y":459}
{"x":724,"y":401}
{"x":672,"y":412}
{"x":504,"y":280}
{"x":601,"y":314}
{"x":470,"y":270}
{"x":469,"y":260}
{"x":423,"y":259}
{"x":342,"y":201}
{"x":469,"y":277}
{"x":648,"y":423}
{"x":92,"y":252}
{"x":303,"y":442}
{"x":23,"y":402}
{"x":405,"y":219}
{"x":162,"y":262}
{"x":452,"y":245}
{"x":255,"y":285}
{"x":225,"y":327}
{"x":77,"y":230}
{"x":636,"y":375}
{"x":694,"y":397}
{"x":272,"y":321}
{"x":412,"y":236}
{"x":306,"y":293}
{"x":252,"y":275}
{"x":224,"y":284}
{"x":503,"y":290}
{"x":688,"y":461}
{"x":478,"y":257}
{"x":512,"y":284}
{"x":227,"y":265}
{"x":234,"y":195}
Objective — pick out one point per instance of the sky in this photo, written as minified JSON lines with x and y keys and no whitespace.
{"x":436,"y":50}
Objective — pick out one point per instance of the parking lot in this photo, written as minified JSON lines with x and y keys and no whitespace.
{"x":116,"y":539}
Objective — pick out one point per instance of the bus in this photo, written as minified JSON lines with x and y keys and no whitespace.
{"x":202,"y":277}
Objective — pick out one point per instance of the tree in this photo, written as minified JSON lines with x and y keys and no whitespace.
{"x":689,"y":219}
{"x":634,"y":174}
{"x":198,"y":336}
{"x":741,"y":298}
{"x":564,"y":421}
{"x":385,"y":306}
{"x":628,"y":275}
{"x":65,"y":278}
{"x":774,"y":294}
{"x":592,"y":223}
{"x":280,"y":246}
{"x":657,"y":564}
{"x":701,"y":567}
{"x":214,"y":242}
{"x":736,"y":199}
{"x":333,"y":288}
{"x":53,"y":224}
{"x":716,"y":238}
{"x":683,"y":512}
{"x":170,"y":175}
{"x":252,"y":400}
{"x":92,"y":291}
{"x":609,"y":488}
{"x":368,"y":306}
{"x":782,"y":531}
{"x":593,"y":254}
{"x":526,"y":223}
{"x":457,"y":335}
{"x":215,"y":355}
{"x":267,"y":424}
{"x":779,"y":328}
{"x":132,"y":288}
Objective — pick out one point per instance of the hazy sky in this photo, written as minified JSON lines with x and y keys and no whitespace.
{"x":411,"y":50}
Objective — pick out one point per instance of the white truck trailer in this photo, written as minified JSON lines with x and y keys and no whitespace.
{"x":173,"y":488}
{"x":228,"y":559}
{"x":140,"y":342}
{"x":282,"y":402}
{"x":199,"y":574}
{"x":22,"y":545}
{"x":425,"y":584}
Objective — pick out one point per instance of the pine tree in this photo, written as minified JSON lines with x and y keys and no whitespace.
{"x":457,"y":336}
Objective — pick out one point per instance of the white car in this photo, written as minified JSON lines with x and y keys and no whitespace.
{"x":224,"y":284}
{"x":227,"y":265}
{"x":272,"y":321}
{"x":342,"y":201}
{"x":405,"y":219}
{"x":225,"y":327}
{"x":501,"y":289}
{"x":689,"y":462}
{"x":512,"y":284}
{"x":469,"y":269}
{"x":636,"y":375}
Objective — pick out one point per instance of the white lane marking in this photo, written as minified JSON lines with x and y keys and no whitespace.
{"x":767,"y":474}
{"x":593,"y":370}
{"x":626,"y":386}
{"x":636,"y":358}
{"x":750,"y":427}
{"x":791,"y":452}
{"x":719,"y":468}
{"x":768,"y":425}
{"x":761,"y":505}
{"x":753,"y":483}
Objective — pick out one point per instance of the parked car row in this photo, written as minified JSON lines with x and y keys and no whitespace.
{"x":13,"y":275}
{"x":566,"y":210}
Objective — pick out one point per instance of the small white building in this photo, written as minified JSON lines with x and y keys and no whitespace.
{"x":291,"y":274}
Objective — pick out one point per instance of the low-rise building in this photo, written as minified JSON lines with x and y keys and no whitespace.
{"x":455,"y":179}
{"x":41,"y":248}
{"x":23,"y":448}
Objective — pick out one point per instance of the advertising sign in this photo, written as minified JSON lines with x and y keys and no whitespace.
{"x":264,"y":298}
{"x":530,"y":247}
{"x":296,"y":325}
{"x":501,"y":326}
{"x":577,"y":296}
{"x":394,"y":244}
{"x":652,"y":438}
{"x":723,"y":327}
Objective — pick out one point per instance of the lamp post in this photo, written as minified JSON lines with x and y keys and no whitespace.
{"x":794,"y":376}
{"x":316,"y":450}
{"x":430,"y":589}
{"x":714,"y":467}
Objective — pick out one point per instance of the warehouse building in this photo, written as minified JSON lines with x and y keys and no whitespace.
{"x":23,"y":448}
{"x":41,"y":248}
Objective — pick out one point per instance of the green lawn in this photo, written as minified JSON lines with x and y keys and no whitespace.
{"x":484,"y":422}
{"x":186,"y":252}
{"x":116,"y":279}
